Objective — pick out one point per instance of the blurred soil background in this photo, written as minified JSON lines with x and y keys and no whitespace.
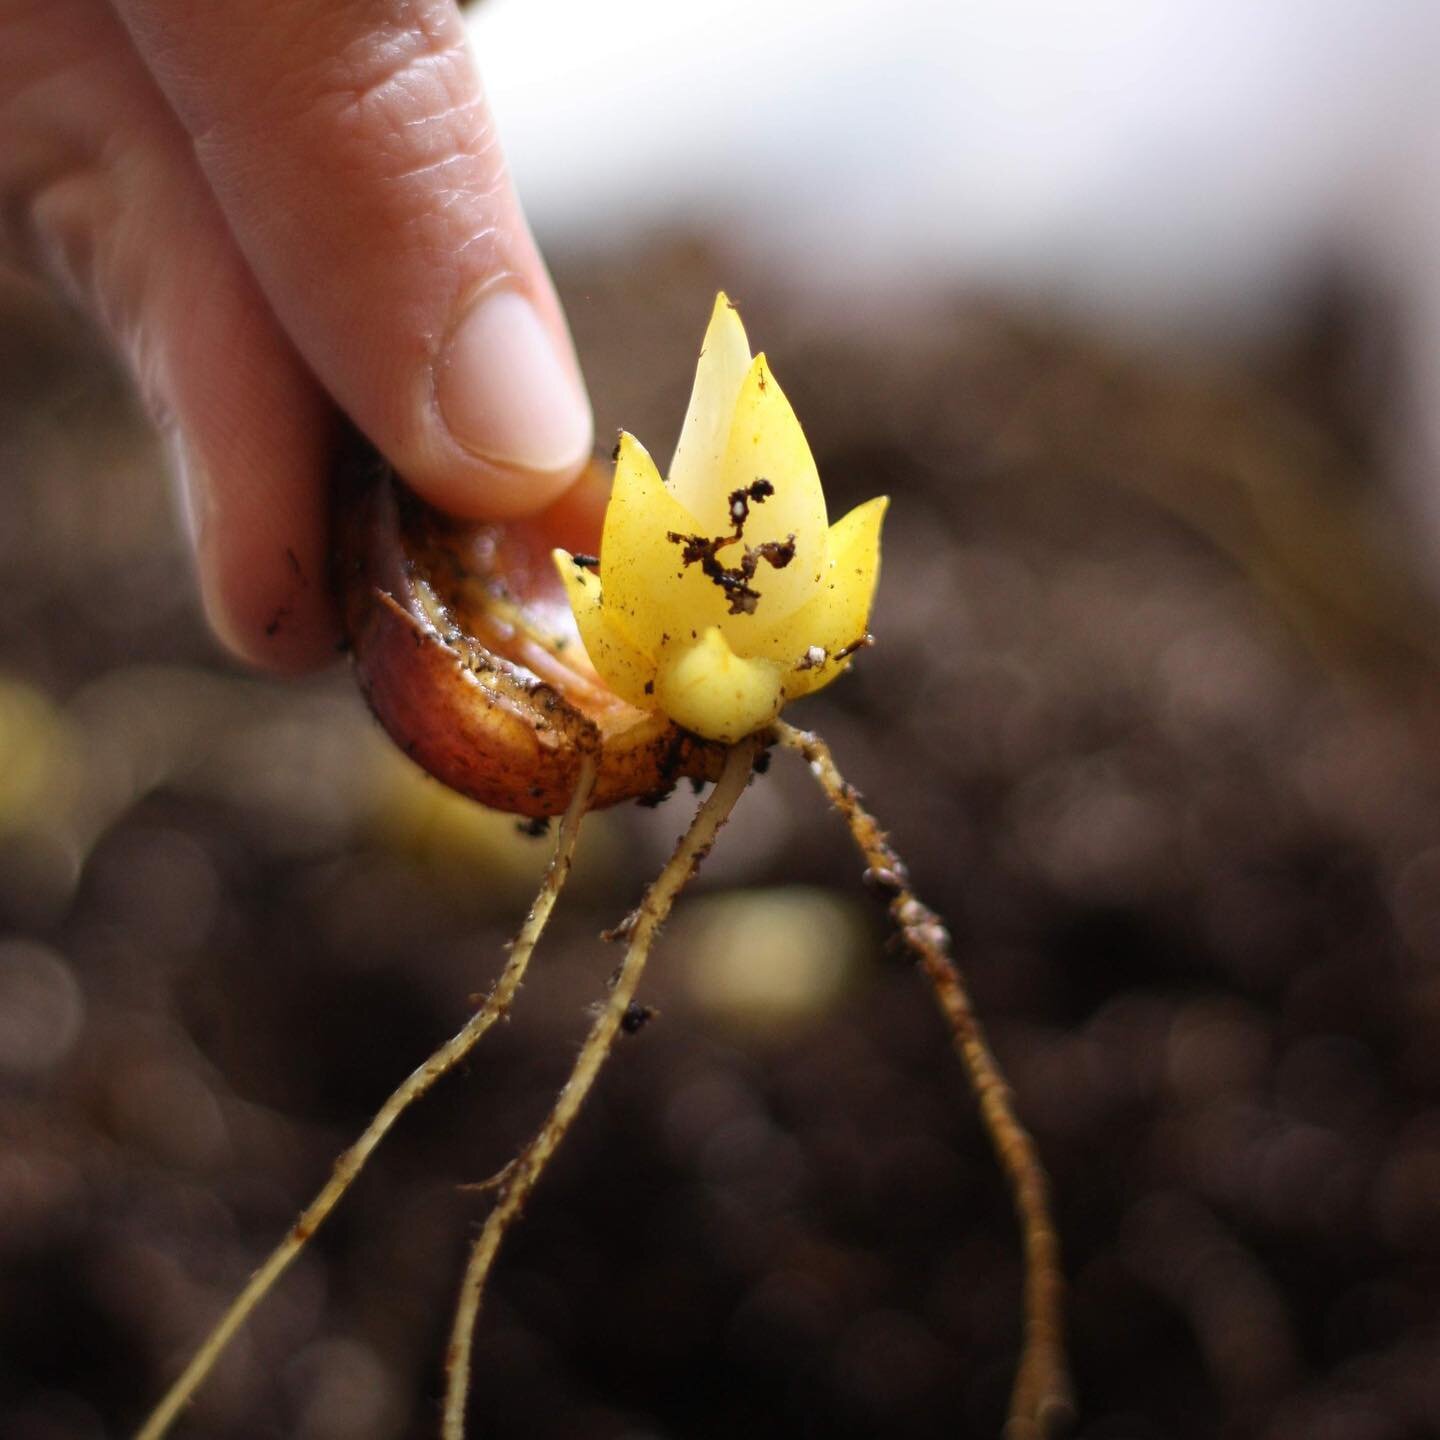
{"x":1152,"y":714}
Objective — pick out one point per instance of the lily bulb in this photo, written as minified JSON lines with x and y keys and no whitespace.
{"x":724,"y":592}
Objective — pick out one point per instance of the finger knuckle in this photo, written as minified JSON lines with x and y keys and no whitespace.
{"x":406,"y":93}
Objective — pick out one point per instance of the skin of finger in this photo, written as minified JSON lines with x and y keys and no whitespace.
{"x":108,"y":203}
{"x":350,"y":147}
{"x":574,"y":521}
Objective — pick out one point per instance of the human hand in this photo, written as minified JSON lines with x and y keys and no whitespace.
{"x":276,"y":208}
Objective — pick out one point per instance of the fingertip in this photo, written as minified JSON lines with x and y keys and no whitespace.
{"x":478,"y":490}
{"x":280,"y":628}
{"x":291,"y":637}
{"x":263,"y":587}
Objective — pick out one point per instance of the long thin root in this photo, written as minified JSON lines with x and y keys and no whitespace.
{"x":639,"y":931}
{"x":1040,"y":1403}
{"x":349,"y":1165}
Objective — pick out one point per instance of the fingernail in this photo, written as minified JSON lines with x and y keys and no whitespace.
{"x":506,"y":393}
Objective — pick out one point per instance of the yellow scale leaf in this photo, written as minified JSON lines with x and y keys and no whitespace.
{"x":658,"y":629}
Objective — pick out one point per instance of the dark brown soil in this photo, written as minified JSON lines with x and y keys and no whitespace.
{"x":1152,"y":715}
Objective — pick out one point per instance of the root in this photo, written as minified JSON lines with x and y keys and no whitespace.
{"x":521,"y":1177}
{"x":349,"y":1165}
{"x":1041,"y":1401}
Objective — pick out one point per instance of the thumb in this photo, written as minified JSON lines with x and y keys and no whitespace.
{"x":355,"y":160}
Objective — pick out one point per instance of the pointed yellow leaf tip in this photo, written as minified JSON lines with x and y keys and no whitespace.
{"x":724,"y":591}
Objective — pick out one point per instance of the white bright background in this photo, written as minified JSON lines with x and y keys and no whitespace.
{"x":1181,"y":167}
{"x":1182,"y":158}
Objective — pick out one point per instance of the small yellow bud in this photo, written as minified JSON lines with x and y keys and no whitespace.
{"x":724,"y":592}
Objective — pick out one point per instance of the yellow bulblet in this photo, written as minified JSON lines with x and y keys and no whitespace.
{"x":724,"y":592}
